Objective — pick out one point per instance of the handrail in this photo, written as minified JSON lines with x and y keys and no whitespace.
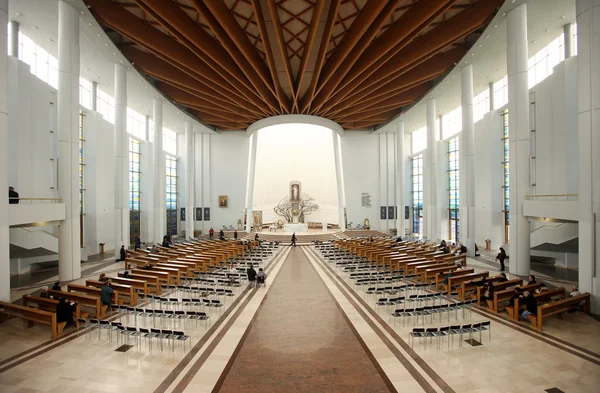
{"x":31,"y":200}
{"x":38,"y":230}
{"x":555,"y":197}
{"x":548,"y":227}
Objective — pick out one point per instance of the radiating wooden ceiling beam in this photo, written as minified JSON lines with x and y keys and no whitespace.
{"x":310,"y":40}
{"x":262,"y":28}
{"x":334,"y":6}
{"x":169,"y":50}
{"x":273,"y":11}
{"x":423,"y":48}
{"x":235,"y":41}
{"x":369,"y":35}
{"x":397,"y":36}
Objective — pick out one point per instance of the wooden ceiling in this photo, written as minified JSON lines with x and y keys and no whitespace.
{"x":230,"y":63}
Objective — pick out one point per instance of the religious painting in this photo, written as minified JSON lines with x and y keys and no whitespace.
{"x":207,"y":214}
{"x":198,"y":214}
{"x":182,"y":214}
{"x":295,"y":193}
{"x":257,"y":219}
{"x":383,"y":212}
{"x":222,"y":200}
{"x":390,"y":212}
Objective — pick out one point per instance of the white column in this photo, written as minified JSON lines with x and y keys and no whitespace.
{"x":491,"y":94}
{"x":13,"y":45}
{"x":467,"y":163}
{"x":4,"y":238}
{"x":430,"y":176}
{"x":588,"y":75}
{"x":148,"y":216}
{"x":250,"y":186}
{"x":189,"y":179}
{"x":69,"y":252}
{"x":95,"y":98}
{"x":206,"y":175}
{"x":160,"y":213}
{"x":383,"y":193}
{"x":568,"y":34}
{"x":338,"y":176}
{"x":400,"y":178}
{"x":121,"y":152}
{"x":518,"y":123}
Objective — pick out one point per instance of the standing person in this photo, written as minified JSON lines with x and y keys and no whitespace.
{"x":251,"y":276}
{"x":122,"y":254}
{"x":221,"y":235}
{"x":530,"y":305}
{"x":13,"y":195}
{"x":294,"y":239}
{"x":106,"y":293}
{"x":501,"y":257}
{"x":235,"y":235}
{"x":211,"y":233}
{"x":137,"y":243}
{"x":64,"y":311}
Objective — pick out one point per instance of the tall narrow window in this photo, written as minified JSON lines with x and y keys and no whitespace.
{"x":453,"y":187}
{"x":171,"y":184}
{"x":505,"y":163}
{"x":134,"y":189}
{"x":417,"y":193}
{"x":81,"y":184}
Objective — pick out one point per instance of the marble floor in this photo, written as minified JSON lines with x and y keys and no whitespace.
{"x":309,"y":330}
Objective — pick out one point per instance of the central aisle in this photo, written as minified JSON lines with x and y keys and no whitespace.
{"x":300,"y":341}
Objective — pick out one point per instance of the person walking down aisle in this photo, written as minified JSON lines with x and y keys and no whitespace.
{"x":211,"y":233}
{"x":251,"y":276}
{"x":13,"y":195}
{"x":293,"y":239}
{"x":501,"y":257}
{"x":235,"y":235}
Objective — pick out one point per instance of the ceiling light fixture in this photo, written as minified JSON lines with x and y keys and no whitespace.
{"x":50,"y":40}
{"x":562,"y":17}
{"x":547,"y":30}
{"x":34,"y":28}
{"x":504,"y":14}
{"x":19,"y":14}
{"x":81,"y":12}
{"x":487,"y":36}
{"x":87,"y":69}
{"x":90,"y":24}
{"x":114,"y":53}
{"x":495,"y":26}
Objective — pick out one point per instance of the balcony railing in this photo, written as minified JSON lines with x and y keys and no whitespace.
{"x":552,"y":197}
{"x":34,"y":200}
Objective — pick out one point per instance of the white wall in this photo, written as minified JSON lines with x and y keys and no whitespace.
{"x":360,"y":154}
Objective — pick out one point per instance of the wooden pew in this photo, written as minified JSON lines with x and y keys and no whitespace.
{"x":32,"y":315}
{"x":84,"y":300}
{"x":557,"y":308}
{"x":541,"y":298}
{"x":498,"y":286}
{"x":121,"y":289}
{"x":91,"y":291}
{"x":457,"y":280}
{"x":419,"y":270}
{"x":439,"y":278}
{"x":137,"y":285}
{"x":430,"y":273}
{"x":152,"y":282}
{"x":505,"y":295}
{"x":49,"y":305}
{"x":160,"y":275}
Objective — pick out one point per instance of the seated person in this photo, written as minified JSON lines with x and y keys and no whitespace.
{"x":488,"y":293}
{"x":531,"y":280}
{"x":106,"y":293}
{"x":154,"y":250}
{"x":45,"y":293}
{"x":56,"y":286}
{"x":463,"y":249}
{"x":503,"y":278}
{"x":482,"y":282}
{"x":261,"y":276}
{"x":458,"y":267}
{"x":442,"y":244}
{"x":542,"y":288}
{"x":574,"y":292}
{"x":516,"y":295}
{"x":147,"y":266}
{"x":446,"y":250}
{"x":103,"y":277}
{"x":64,"y":311}
{"x":126,"y":274}
{"x":530,"y":305}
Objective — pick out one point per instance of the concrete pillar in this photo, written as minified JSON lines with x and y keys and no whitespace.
{"x":160,"y":173}
{"x":467,"y":163}
{"x":400,"y":178}
{"x":148,"y":181}
{"x":250,"y":186}
{"x":518,"y":123}
{"x":69,"y":252}
{"x":13,"y":45}
{"x":95,"y":98}
{"x":189,"y":179}
{"x":383,"y":181}
{"x":491,"y":94}
{"x":4,"y":238}
{"x":121,"y":153}
{"x":338,"y":176}
{"x":568,"y":35}
{"x":588,"y":75}
{"x":431,"y":219}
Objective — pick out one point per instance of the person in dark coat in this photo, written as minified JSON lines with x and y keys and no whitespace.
{"x":501,"y":257}
{"x":294,"y":239}
{"x":137,"y":243}
{"x":531,"y":280}
{"x":122,"y":254}
{"x":251,"y":276}
{"x":106,"y":293}
{"x":530,"y":305}
{"x":56,"y":286}
{"x":64,"y":311}
{"x":13,"y":194}
{"x":235,"y":235}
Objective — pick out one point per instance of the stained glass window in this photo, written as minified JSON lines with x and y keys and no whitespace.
{"x":171,"y":188}
{"x":134,"y":189}
{"x":453,"y":188}
{"x":505,"y":164}
{"x":81,"y":173}
{"x":417,"y":193}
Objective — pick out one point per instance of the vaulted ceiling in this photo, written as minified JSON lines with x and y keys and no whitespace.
{"x":233,"y":62}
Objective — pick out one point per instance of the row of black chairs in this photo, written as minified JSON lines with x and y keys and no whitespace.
{"x":449,"y":331}
{"x":431,"y":310}
{"x":166,"y":314}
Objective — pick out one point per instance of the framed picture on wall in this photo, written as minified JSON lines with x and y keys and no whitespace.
{"x":207,"y":214}
{"x":406,"y":212}
{"x":383,"y":212}
{"x":222,"y":200}
{"x":182,"y":214}
{"x":198,"y":214}
{"x":391,"y":212}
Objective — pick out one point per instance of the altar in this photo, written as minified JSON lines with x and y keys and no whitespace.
{"x":295,"y":228}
